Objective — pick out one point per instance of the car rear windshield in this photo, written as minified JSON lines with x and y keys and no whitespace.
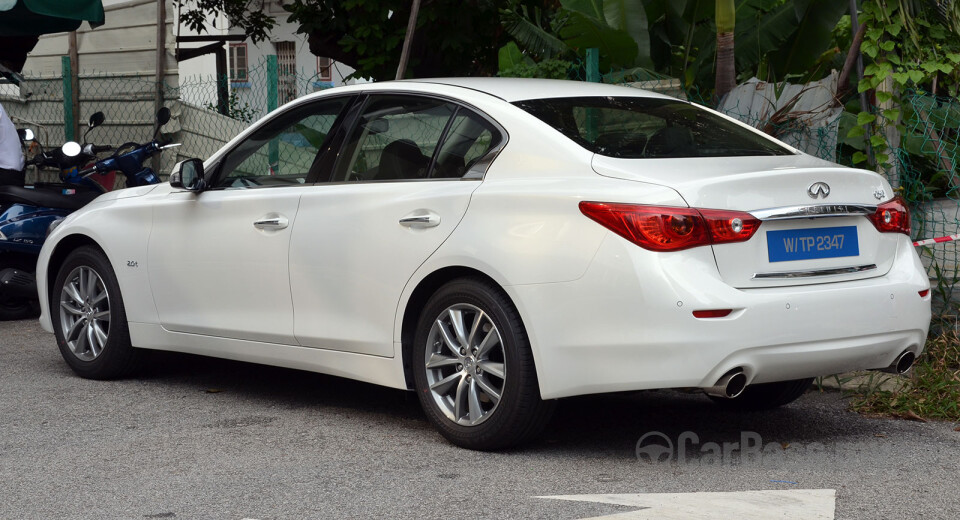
{"x":638,"y":128}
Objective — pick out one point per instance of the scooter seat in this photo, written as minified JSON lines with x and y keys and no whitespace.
{"x":46,"y":198}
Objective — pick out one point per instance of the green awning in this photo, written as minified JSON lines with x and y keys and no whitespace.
{"x":35,"y":17}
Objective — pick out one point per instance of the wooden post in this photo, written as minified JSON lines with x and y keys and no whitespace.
{"x":74,"y":56}
{"x":408,"y":39}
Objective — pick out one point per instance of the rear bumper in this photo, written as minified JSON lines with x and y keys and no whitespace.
{"x":627,"y":324}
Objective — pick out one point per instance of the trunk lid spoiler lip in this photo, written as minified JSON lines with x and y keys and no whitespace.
{"x":814,"y":211}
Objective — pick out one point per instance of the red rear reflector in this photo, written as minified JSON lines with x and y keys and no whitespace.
{"x":924,"y":293}
{"x":892,"y":217}
{"x":715,"y":313}
{"x":668,"y":228}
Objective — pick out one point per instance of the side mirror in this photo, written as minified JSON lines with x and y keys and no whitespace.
{"x":96,"y":120}
{"x":25,"y":134}
{"x":163,"y":116}
{"x":188,"y":176}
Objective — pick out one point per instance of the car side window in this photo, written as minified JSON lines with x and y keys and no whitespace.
{"x":395,"y":138}
{"x":282,"y":152}
{"x":468,"y":140}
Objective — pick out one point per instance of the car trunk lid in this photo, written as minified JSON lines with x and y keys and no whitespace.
{"x":815,"y":214}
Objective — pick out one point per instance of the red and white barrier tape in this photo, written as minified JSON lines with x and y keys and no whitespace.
{"x":937,"y":240}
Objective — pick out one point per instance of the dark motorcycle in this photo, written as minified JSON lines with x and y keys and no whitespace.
{"x":27,"y":215}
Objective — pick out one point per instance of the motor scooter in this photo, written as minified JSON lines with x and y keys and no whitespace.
{"x":27,"y":215}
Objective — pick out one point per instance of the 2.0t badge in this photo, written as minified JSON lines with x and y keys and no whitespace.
{"x":818,"y":190}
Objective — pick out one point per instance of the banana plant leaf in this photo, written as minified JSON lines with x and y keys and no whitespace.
{"x":817,"y":19}
{"x":617,"y":48}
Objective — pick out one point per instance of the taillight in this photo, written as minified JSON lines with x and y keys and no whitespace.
{"x":666,"y":228}
{"x":892,"y":217}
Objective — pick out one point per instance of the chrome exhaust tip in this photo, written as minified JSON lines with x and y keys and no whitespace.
{"x":729,"y":386}
{"x":903,"y":363}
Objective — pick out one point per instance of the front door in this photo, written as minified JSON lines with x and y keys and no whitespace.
{"x":219,"y":260}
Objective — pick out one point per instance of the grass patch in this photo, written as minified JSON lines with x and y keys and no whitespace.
{"x":933,"y":389}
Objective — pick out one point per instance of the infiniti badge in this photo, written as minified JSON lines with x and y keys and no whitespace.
{"x":818,"y":190}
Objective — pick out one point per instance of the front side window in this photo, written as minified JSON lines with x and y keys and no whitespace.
{"x":638,"y":127}
{"x":395,"y":139}
{"x":282,"y":152}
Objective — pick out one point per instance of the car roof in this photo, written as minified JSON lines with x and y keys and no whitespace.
{"x":519,"y":89}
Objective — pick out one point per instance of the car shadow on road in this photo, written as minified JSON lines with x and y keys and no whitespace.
{"x":596,"y":423}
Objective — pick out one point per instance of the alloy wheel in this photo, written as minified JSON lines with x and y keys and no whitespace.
{"x":85,"y":313}
{"x":465,"y":364}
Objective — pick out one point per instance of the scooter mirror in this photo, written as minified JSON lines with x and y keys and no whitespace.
{"x":71,"y":149}
{"x":26,"y":134}
{"x":96,"y":120}
{"x":163,"y":116}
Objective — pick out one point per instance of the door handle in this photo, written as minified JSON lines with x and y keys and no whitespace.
{"x":421,"y":220}
{"x":274,"y":223}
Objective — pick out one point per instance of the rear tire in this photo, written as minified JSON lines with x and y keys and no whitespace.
{"x":765,"y":396}
{"x":474,"y":370}
{"x":88,"y":317}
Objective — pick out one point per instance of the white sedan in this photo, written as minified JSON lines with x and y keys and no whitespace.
{"x":494,"y":245}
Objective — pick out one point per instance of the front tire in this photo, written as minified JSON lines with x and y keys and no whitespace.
{"x":765,"y":396}
{"x":474,"y":370}
{"x":88,"y":317}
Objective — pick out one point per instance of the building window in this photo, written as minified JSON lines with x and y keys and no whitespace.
{"x":238,"y":63}
{"x":287,"y":71}
{"x":324,"y":69}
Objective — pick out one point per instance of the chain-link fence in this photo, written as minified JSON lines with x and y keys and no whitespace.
{"x":206,"y":111}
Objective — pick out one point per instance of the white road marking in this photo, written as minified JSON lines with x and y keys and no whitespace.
{"x":794,"y":504}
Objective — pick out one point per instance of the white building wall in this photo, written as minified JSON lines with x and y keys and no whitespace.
{"x":202,"y":70}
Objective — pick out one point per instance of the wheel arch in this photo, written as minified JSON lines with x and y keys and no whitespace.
{"x":62,"y":250}
{"x":418,"y":299}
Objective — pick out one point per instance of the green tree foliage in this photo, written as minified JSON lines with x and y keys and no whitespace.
{"x":452,"y":38}
{"x":775,"y":39}
{"x":909,"y":46}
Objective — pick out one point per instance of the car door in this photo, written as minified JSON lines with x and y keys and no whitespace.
{"x":218,"y":260}
{"x":401,"y":185}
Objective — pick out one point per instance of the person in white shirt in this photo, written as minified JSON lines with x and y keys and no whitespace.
{"x":11,"y":155}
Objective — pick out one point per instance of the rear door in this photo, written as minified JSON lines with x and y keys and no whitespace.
{"x":402,"y":184}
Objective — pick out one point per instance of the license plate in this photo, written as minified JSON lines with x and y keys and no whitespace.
{"x":813,"y":243}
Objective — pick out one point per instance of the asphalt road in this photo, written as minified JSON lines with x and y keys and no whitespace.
{"x":202,"y":438}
